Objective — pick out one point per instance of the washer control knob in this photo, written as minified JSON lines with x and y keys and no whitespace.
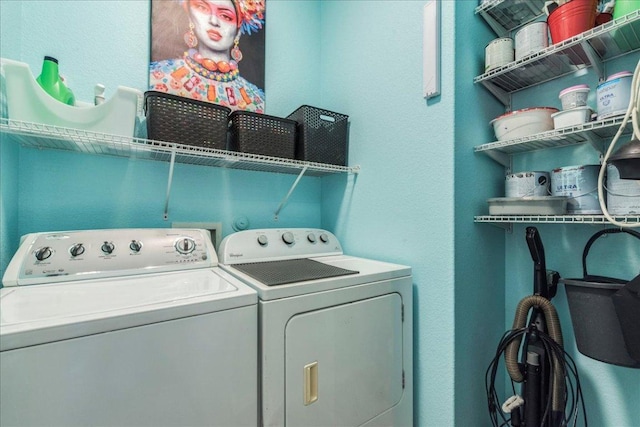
{"x":262,"y":240}
{"x":311,"y":237}
{"x":185,"y":245}
{"x":135,"y":246}
{"x":288,"y":238}
{"x":107,"y":248}
{"x":324,"y":238}
{"x":76,"y":250}
{"x":43,"y":253}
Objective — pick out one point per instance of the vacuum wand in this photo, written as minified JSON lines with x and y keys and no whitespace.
{"x":542,"y":370}
{"x":535,"y":357}
{"x":540,"y":286}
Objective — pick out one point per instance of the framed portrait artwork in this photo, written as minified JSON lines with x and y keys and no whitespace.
{"x":210,"y":50}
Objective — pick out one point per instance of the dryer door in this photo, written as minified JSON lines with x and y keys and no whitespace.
{"x":344,"y":363}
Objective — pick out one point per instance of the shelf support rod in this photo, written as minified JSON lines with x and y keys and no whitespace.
{"x":495,"y":25}
{"x":500,"y":157}
{"x":594,"y":59}
{"x":499,"y":93}
{"x":508,"y":227}
{"x":594,"y":143}
{"x":166,"y":202}
{"x":286,"y":198}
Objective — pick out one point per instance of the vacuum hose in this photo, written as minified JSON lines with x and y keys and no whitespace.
{"x":553,"y":326}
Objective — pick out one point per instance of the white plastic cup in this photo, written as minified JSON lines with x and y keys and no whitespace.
{"x":574,"y":96}
{"x":531,"y":38}
{"x":623,"y":195}
{"x":613,"y":96}
{"x":527,"y":184}
{"x":497,"y":53}
{"x":580,"y":185}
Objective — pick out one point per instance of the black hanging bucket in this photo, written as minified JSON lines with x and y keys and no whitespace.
{"x":627,"y":304}
{"x":605,"y":312}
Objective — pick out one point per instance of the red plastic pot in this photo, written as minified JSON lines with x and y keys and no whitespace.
{"x":571,"y":19}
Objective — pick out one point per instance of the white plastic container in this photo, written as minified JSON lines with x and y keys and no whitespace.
{"x":580,"y":184}
{"x":574,"y":96}
{"x":533,"y":205}
{"x":525,"y":184}
{"x":613,"y":95}
{"x":520,"y":123}
{"x":497,"y":53}
{"x":573,"y":117}
{"x":28,"y":102}
{"x":531,"y":38}
{"x":623,"y":195}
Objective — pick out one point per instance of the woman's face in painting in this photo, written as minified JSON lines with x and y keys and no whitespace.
{"x":215,"y":23}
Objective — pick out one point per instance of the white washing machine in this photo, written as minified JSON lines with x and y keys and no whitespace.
{"x":129,"y":327}
{"x":336,"y":338}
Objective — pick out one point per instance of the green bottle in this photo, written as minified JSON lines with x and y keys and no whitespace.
{"x":51,"y":82}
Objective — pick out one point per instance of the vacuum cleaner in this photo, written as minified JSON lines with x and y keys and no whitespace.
{"x":550,"y":393}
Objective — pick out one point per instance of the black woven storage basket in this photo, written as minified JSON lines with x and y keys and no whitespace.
{"x":322,"y":135}
{"x":262,"y":134}
{"x":188,"y":121}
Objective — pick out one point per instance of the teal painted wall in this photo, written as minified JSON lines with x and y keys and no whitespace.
{"x":50,"y":190}
{"x":413,"y":203}
{"x":479,"y":248}
{"x":9,"y":234}
{"x":420,"y":187}
{"x":611,"y":392}
{"x":402,"y":205}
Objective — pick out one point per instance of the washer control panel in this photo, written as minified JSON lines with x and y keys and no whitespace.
{"x":271,"y":244}
{"x":87,"y":254}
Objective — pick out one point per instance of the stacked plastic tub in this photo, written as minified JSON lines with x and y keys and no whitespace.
{"x":574,"y":107}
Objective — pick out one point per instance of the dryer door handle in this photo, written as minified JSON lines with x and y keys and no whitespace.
{"x":310,"y":386}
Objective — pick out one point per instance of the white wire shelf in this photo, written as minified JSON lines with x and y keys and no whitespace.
{"x":597,"y":133}
{"x":43,"y":136}
{"x":506,"y":15}
{"x":556,"y":219}
{"x":591,"y":48}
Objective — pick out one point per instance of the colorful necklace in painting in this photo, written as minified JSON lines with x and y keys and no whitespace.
{"x":220,"y":71}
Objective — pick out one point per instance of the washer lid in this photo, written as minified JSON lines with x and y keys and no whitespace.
{"x":46,"y":313}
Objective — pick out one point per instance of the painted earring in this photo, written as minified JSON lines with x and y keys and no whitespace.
{"x":236,"y":53}
{"x":190,"y":37}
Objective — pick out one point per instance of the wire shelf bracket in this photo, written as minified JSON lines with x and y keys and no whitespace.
{"x":286,"y":198}
{"x":169,"y":181}
{"x":43,"y":136}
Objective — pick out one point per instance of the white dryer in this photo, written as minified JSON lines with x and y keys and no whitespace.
{"x":336,"y":334}
{"x":129,"y":327}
